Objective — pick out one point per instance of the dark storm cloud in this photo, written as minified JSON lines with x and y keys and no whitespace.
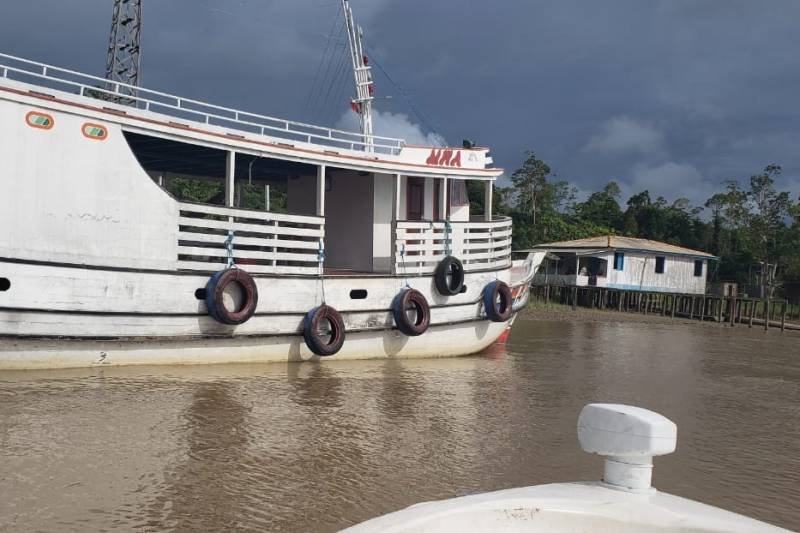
{"x":674,"y":96}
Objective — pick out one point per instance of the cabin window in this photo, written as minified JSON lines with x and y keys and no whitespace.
{"x":197,"y":174}
{"x":660,"y":264}
{"x":5,"y":284}
{"x":619,"y":261}
{"x":698,"y":267}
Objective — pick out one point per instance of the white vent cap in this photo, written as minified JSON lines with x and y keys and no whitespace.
{"x":629,"y":437}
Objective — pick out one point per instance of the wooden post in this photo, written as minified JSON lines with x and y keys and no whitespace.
{"x":783,"y":316}
{"x":766,"y":314}
{"x":574,"y":298}
{"x":691,"y":310}
{"x":547,"y":295}
{"x":732,"y":310}
{"x":719,"y":310}
{"x":487,"y":199}
{"x":753,"y":304}
{"x":674,"y":301}
{"x":230,"y":176}
{"x":620,"y":296}
{"x":321,"y":191}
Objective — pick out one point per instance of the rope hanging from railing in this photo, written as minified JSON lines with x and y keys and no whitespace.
{"x":229,"y":248}
{"x":403,"y":264}
{"x":321,"y":260}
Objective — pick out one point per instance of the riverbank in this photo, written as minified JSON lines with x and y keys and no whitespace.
{"x":538,"y":310}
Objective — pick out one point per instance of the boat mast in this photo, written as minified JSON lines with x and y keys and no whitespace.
{"x":362,"y":104}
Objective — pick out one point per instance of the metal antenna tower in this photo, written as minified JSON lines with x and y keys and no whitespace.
{"x":362,"y":104}
{"x":122,"y":64}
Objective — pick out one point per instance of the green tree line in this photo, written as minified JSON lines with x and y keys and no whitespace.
{"x":744,"y":225}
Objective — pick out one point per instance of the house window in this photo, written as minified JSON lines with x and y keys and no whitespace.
{"x":660,"y":265}
{"x":698,"y":267}
{"x":619,"y":261}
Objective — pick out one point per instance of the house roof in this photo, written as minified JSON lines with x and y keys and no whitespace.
{"x":614,"y":242}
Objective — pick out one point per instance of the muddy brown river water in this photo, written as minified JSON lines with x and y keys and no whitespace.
{"x":316,"y":447}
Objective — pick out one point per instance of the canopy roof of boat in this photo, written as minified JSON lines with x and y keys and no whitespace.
{"x":146,"y":111}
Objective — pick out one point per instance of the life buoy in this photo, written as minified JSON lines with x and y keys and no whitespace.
{"x":231,"y":296}
{"x":497,"y":301}
{"x":412,"y":314}
{"x":449,"y":276}
{"x":328,"y":341}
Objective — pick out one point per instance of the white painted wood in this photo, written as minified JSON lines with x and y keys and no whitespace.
{"x":230,"y":177}
{"x":321,"y":191}
{"x":255,"y":269}
{"x":250,"y":214}
{"x":77,"y":289}
{"x":487,"y":201}
{"x":477,"y":245}
{"x":250,"y":228}
{"x":247,"y":254}
{"x":438,"y":341}
{"x":214,"y":238}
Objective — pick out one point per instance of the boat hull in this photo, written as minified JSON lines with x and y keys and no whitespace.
{"x":446,"y":340}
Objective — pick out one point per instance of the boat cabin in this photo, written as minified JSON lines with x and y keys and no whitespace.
{"x":235,"y":187}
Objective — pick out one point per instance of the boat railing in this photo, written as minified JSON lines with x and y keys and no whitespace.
{"x":261,"y":242}
{"x":421,"y":245}
{"x":41,"y":74}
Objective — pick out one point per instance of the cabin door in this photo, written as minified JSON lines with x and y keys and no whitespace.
{"x":415,"y":198}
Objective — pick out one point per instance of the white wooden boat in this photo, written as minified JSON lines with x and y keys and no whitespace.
{"x":100,"y":264}
{"x":628,"y":437}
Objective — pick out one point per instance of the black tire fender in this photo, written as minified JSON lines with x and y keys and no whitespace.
{"x":215,"y":289}
{"x":408,"y":299}
{"x":497,"y":301}
{"x":317,"y":343}
{"x":452,"y":267}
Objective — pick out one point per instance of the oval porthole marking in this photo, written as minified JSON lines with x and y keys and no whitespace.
{"x":96,"y":132}
{"x":37,"y":119}
{"x":5,"y":284}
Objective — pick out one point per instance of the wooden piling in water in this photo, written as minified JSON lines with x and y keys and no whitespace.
{"x":783,"y":316}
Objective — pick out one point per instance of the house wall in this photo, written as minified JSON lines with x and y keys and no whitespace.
{"x":639,"y":273}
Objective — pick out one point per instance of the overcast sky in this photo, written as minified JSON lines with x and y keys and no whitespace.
{"x":673,"y":96}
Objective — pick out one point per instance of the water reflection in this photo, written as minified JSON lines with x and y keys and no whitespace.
{"x":318,"y":446}
{"x":204,"y":487}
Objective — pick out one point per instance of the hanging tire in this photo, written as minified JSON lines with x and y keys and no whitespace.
{"x":449,"y":276}
{"x":323,"y":343}
{"x":411,"y":300}
{"x":497,"y":301}
{"x":231,"y":296}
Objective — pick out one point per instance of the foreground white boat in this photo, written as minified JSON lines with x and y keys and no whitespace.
{"x":373,"y":251}
{"x":629,"y":437}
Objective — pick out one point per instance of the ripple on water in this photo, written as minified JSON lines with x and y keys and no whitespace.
{"x":321,"y":446}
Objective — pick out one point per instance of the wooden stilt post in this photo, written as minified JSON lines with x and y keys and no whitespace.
{"x":783,"y":316}
{"x":733,"y":311}
{"x":752,"y":312}
{"x":574,"y":298}
{"x":766,"y":314}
